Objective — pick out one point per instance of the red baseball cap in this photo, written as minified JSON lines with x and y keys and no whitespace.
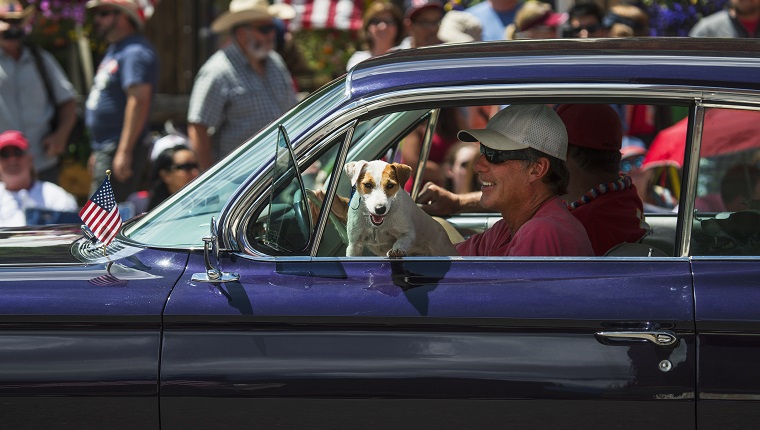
{"x":594,"y":126}
{"x":15,"y":139}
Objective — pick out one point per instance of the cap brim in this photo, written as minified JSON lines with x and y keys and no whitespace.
{"x":491,"y":139}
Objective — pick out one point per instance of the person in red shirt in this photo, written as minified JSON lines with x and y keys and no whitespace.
{"x":599,"y":196}
{"x":606,"y":203}
{"x":523,"y":172}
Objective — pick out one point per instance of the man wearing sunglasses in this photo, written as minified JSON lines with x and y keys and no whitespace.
{"x":523,"y":171}
{"x":605,"y":201}
{"x":118,"y":106}
{"x":243,"y":86}
{"x":36,"y":97}
{"x":19,"y":190}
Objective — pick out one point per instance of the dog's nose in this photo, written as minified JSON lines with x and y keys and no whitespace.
{"x":380,"y":209}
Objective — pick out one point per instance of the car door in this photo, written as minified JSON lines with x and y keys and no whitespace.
{"x":295,"y":339}
{"x":724,"y":248}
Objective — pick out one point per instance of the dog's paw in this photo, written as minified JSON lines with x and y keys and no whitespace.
{"x":396,"y":252}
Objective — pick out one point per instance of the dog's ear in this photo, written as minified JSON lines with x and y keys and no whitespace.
{"x":403,"y":173}
{"x":353,"y":169}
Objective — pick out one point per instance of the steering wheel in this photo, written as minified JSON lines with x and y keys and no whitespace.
{"x":302,"y":217}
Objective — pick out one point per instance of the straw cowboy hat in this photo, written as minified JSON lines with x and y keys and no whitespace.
{"x":242,"y":11}
{"x":135,"y":13}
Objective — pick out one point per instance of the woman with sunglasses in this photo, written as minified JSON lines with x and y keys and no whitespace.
{"x":381,"y":31}
{"x":174,"y":168}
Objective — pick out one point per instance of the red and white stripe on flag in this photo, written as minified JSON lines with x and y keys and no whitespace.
{"x":101,"y":213}
{"x":329,"y":14}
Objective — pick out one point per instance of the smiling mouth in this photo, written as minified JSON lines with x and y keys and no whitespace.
{"x":376,"y":219}
{"x":488,"y":184}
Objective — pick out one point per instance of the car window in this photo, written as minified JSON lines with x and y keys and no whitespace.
{"x":727,"y":206}
{"x":183,"y":219}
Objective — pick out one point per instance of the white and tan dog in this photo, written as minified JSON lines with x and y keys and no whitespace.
{"x":383,"y":217}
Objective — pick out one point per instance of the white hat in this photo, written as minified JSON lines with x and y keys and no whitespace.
{"x":458,"y":26}
{"x":242,"y":11}
{"x":138,"y":13}
{"x":14,"y":10}
{"x":520,"y":127}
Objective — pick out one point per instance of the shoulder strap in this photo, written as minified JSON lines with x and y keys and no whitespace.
{"x":43,"y":73}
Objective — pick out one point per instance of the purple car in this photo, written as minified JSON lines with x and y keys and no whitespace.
{"x":233,"y":304}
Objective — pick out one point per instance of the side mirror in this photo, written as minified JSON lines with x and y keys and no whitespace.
{"x":211,"y":246}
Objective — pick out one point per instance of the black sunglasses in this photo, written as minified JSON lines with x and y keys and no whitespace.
{"x":12,"y":21}
{"x":497,"y":157}
{"x":11,"y":152}
{"x":185,"y":166}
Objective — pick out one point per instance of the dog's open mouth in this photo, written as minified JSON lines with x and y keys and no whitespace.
{"x":376,"y":219}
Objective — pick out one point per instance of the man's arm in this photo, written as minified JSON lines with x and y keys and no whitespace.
{"x":437,"y":200}
{"x":201,"y":144}
{"x":54,"y":143}
{"x":135,"y":115}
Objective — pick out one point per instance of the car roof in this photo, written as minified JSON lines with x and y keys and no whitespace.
{"x":696,"y":62}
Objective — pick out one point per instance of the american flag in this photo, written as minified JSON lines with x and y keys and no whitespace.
{"x":101,"y":215}
{"x":332,"y":14}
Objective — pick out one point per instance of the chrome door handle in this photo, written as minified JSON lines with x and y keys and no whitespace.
{"x":657,"y":337}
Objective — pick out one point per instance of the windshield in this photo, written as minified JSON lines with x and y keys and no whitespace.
{"x":182,"y":220}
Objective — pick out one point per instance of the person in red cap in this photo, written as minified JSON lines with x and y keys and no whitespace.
{"x":36,"y":97}
{"x":119,"y":102}
{"x":605,"y":201}
{"x":19,"y":190}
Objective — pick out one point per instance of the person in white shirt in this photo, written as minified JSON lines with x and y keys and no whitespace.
{"x":19,"y":189}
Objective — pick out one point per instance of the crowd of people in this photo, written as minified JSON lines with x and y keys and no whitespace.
{"x":247,"y":83}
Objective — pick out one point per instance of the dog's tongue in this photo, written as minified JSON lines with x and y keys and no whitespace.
{"x":376,"y":219}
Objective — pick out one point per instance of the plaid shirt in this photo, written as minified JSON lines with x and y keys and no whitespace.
{"x":235,"y":102}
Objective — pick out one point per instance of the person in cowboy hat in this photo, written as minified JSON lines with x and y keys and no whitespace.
{"x":243,"y":86}
{"x":34,"y":90}
{"x":119,"y":102}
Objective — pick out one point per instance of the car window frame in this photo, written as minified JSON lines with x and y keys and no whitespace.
{"x":562,"y":93}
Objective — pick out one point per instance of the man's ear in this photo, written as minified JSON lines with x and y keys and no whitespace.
{"x":538,"y":169}
{"x":403,"y":173}
{"x":353,"y":170}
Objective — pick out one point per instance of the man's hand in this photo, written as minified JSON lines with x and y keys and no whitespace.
{"x":436,"y":200}
{"x":122,"y":166}
{"x":54,"y":145}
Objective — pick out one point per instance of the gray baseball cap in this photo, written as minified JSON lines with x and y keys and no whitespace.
{"x":520,"y":127}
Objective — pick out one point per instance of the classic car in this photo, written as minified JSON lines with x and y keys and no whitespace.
{"x":233,"y":305}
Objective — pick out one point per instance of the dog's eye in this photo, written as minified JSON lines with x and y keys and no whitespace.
{"x":368,"y":185}
{"x":390,"y":185}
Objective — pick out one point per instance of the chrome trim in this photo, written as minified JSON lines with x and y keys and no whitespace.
{"x":427,"y":141}
{"x":333,"y":189}
{"x":693,"y":168}
{"x":657,"y":337}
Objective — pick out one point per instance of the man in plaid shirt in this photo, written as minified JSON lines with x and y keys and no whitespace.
{"x":242,"y":87}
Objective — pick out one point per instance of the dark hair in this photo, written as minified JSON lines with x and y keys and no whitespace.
{"x":376,"y":8}
{"x":597,"y":160}
{"x":558,"y":176}
{"x":165,"y":160}
{"x":584,"y":8}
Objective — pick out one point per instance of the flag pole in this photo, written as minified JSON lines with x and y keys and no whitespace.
{"x":105,"y":253}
